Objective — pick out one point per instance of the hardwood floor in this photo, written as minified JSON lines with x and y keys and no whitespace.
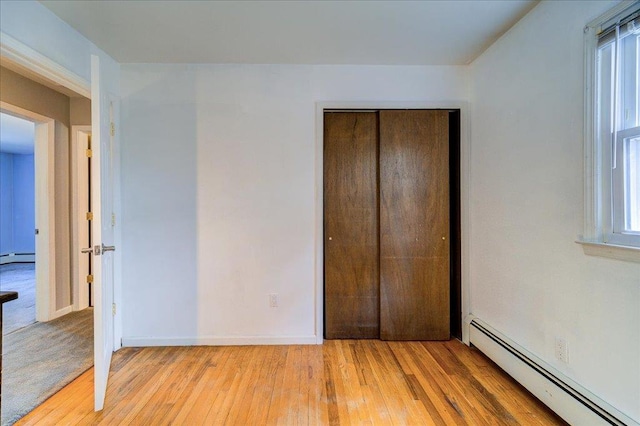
{"x":348,"y":382}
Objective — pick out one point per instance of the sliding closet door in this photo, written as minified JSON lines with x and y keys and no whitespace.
{"x":351,"y":225}
{"x":414,"y":225}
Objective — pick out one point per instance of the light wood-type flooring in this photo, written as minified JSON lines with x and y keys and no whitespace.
{"x":347,"y":382}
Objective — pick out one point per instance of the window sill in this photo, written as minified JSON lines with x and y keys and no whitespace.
{"x":612,"y":251}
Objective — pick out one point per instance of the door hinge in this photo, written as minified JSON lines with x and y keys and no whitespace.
{"x":113,"y":129}
{"x":89,"y":278}
{"x":89,"y":216}
{"x":89,"y":153}
{"x":113,"y":219}
{"x":113,"y":309}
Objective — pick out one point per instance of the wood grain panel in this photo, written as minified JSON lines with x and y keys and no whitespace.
{"x":351,"y":225}
{"x":414,"y":225}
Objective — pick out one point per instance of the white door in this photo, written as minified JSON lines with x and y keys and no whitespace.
{"x":101,"y":228}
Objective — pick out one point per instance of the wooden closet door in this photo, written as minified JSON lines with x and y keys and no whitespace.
{"x":414,"y":225}
{"x":351,"y":270}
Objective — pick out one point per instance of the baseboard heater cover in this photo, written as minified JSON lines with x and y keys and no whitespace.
{"x":566,"y":398}
{"x":17,"y":258}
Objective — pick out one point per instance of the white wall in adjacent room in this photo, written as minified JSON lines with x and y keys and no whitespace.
{"x":529,"y":279}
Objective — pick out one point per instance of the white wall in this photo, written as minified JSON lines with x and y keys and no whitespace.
{"x":528,"y":277}
{"x":219,"y":188}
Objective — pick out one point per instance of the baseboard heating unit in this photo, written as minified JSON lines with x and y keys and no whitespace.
{"x":568,"y":399}
{"x":17,"y":258}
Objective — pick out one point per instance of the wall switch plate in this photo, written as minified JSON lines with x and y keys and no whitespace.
{"x":273,"y":300}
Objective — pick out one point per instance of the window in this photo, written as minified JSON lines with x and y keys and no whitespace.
{"x":612,"y":132}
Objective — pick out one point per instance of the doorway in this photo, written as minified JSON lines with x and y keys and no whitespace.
{"x":44,"y":204}
{"x":392,"y":224}
{"x":17,"y":219}
{"x":57,"y":345}
{"x":98,"y":91}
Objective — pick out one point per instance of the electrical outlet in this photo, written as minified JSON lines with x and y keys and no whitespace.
{"x":273,"y":300}
{"x":562,"y":350}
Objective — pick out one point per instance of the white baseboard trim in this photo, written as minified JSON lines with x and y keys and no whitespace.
{"x":17,"y":258}
{"x":568,"y":399}
{"x":61,"y":312}
{"x":218,"y":341}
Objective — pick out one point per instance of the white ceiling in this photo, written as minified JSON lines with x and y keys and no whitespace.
{"x":16,"y":135}
{"x":293,"y":32}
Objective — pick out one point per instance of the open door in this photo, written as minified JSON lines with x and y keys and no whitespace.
{"x":101,"y":228}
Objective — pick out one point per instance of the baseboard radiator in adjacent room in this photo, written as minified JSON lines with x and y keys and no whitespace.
{"x":568,"y":399}
{"x":17,"y":258}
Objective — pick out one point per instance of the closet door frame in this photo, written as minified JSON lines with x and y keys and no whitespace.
{"x":464,"y":155}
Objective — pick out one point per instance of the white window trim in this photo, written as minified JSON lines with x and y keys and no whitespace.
{"x":593,"y":237}
{"x":616,"y":234}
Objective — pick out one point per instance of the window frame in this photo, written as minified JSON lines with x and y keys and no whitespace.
{"x":617,"y":233}
{"x":601,"y":235}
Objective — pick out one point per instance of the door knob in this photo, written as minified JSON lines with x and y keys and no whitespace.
{"x":108,"y":248}
{"x":93,"y":250}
